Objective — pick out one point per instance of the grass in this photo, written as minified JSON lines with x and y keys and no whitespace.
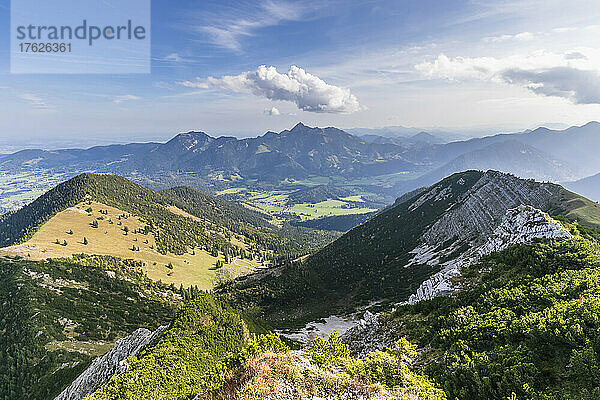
{"x":92,"y":349}
{"x":588,"y":211}
{"x":356,"y":198}
{"x":195,"y":268}
{"x":275,"y":203}
{"x":314,"y":181}
{"x":577,"y":208}
{"x":234,"y":190}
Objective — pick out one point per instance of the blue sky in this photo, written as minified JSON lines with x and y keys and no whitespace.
{"x":473,"y":65}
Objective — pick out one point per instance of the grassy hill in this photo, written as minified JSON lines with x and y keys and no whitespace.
{"x":376,"y":260}
{"x":180,"y":235}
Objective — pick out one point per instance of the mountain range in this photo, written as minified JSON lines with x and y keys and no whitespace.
{"x":297,"y":153}
{"x":589,"y":187}
{"x":302,"y":152}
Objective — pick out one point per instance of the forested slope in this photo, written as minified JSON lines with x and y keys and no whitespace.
{"x":56,"y":316}
{"x":174,"y":233}
{"x":387,"y":258}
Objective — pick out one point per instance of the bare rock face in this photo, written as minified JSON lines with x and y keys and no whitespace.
{"x":520,"y":225}
{"x":109,"y":365}
{"x":370,"y":334}
{"x":478,"y":211}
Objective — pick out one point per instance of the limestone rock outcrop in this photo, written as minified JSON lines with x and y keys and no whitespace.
{"x":105,"y":367}
{"x":520,"y":225}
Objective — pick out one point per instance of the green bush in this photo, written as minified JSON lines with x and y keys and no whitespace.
{"x":527,"y":324}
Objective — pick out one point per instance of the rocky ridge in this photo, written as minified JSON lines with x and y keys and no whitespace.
{"x":109,"y":365}
{"x":522,"y":224}
{"x":519,"y":225}
{"x":477,"y":212}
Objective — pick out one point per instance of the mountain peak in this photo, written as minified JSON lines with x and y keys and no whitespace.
{"x":591,"y":124}
{"x":426,"y":137}
{"x":188,"y":140}
{"x":299,"y":125}
{"x":301,"y":128}
{"x":191,"y":134}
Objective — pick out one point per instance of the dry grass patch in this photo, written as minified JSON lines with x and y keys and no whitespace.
{"x":67,"y":232}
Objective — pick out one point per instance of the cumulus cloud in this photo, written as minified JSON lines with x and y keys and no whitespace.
{"x":127,"y":97}
{"x":581,"y":87}
{"x":307,"y":91}
{"x":574,"y":75}
{"x":272,"y":111}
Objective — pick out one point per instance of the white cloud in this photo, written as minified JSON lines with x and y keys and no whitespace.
{"x":574,"y":75}
{"x":523,"y":36}
{"x":226,"y":27}
{"x":565,"y":29}
{"x":175,"y":57}
{"x":581,"y":87}
{"x":272,"y":111}
{"x":307,"y":91}
{"x":127,"y":97}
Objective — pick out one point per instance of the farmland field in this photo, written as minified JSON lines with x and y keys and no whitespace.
{"x":276,"y":204}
